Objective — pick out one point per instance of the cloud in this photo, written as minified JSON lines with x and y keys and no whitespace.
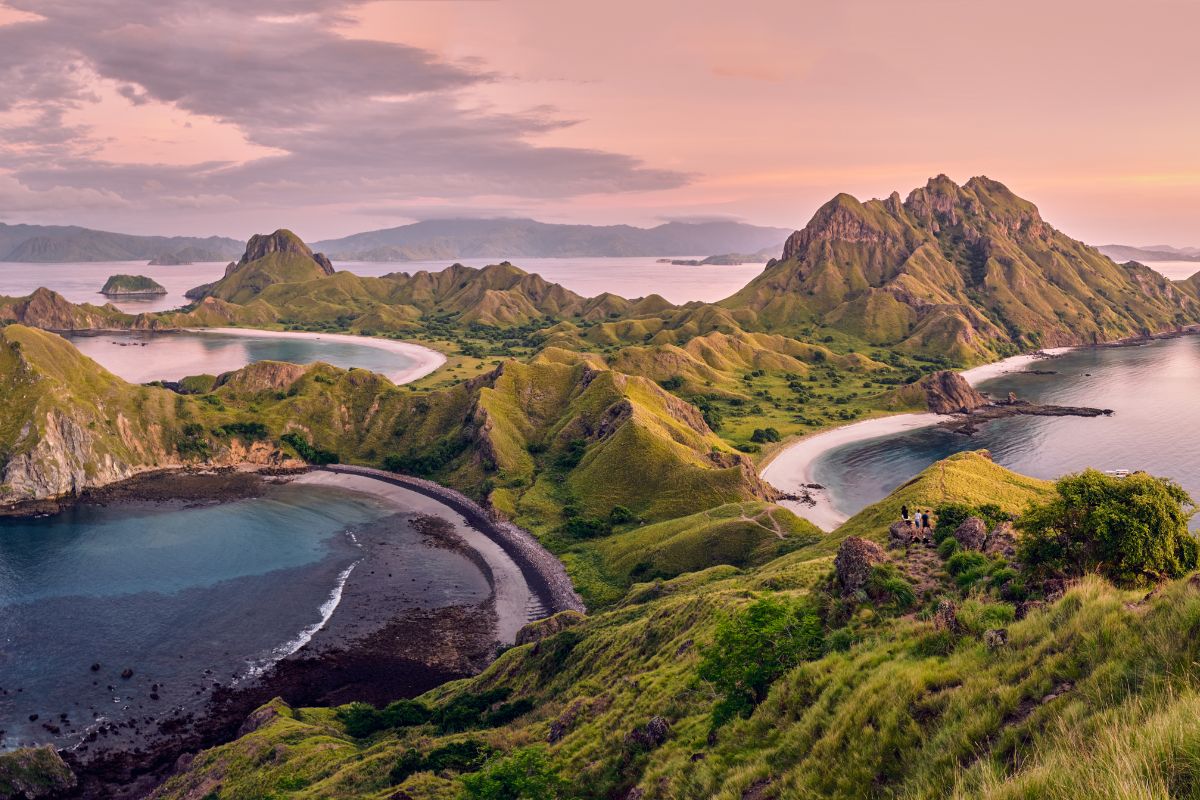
{"x":347,"y":120}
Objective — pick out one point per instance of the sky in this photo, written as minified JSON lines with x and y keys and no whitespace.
{"x":334,"y":116}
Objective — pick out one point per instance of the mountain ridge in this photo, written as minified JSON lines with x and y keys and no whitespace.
{"x":67,"y":243}
{"x":528,"y":238}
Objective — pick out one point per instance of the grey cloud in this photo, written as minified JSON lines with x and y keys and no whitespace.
{"x":361,"y":122}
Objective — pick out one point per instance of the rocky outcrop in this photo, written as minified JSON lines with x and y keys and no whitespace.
{"x":33,"y":773}
{"x":649,"y":736}
{"x":901,"y":534}
{"x":853,"y":563}
{"x":262,"y":245}
{"x":1002,"y":541}
{"x":262,"y":376}
{"x":948,"y":392}
{"x":971,"y":534}
{"x":543,"y":628}
{"x":945,"y":617}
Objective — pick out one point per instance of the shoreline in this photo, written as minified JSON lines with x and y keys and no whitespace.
{"x":791,"y":468}
{"x":426,"y":360}
{"x":376,"y":641}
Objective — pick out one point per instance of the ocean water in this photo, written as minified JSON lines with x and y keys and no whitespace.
{"x":627,"y":277}
{"x":141,"y":357}
{"x":183,"y":595}
{"x":1152,"y":389}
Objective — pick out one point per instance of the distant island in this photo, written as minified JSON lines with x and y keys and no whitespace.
{"x":187,"y":255}
{"x":131,"y":285}
{"x":724,"y":260}
{"x":1159,"y":252}
{"x":526,"y":238}
{"x":66,"y":243}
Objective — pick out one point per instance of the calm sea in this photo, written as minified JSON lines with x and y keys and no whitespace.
{"x":1152,"y":388}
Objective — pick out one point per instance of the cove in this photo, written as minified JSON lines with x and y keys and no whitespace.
{"x":1152,"y":388}
{"x":189,"y":596}
{"x":170,"y":355}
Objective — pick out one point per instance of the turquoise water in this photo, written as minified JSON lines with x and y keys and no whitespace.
{"x":143,"y":357}
{"x":183,"y":595}
{"x":1152,"y":388}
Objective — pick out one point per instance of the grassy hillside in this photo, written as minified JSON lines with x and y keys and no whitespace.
{"x":1088,"y":697}
{"x":970,"y":272}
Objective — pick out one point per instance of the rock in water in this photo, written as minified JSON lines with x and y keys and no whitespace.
{"x":948,"y":392}
{"x":971,"y":534}
{"x":853,"y":563}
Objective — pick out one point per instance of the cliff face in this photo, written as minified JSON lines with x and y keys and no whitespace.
{"x":971,"y":272}
{"x":270,"y":259}
{"x":67,"y":425}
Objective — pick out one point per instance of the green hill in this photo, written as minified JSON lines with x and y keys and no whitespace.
{"x":968,"y":271}
{"x":1084,"y":696}
{"x":119,"y":285}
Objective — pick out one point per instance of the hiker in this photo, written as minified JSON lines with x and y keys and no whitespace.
{"x":904,"y":514}
{"x":925,"y":520}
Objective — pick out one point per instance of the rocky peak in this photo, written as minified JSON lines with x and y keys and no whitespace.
{"x":948,"y":392}
{"x":262,"y":245}
{"x":842,"y":219}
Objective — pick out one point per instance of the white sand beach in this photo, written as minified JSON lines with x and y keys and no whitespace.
{"x":790,"y":470}
{"x":425,"y":360}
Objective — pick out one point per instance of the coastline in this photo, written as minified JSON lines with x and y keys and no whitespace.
{"x":791,"y":468}
{"x":426,"y":360}
{"x":392,"y":627}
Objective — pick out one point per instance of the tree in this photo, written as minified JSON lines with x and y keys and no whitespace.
{"x":1133,"y":530}
{"x":755,"y":647}
{"x":522,"y":775}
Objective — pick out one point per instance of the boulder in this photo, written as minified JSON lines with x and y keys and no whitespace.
{"x":1002,"y":541}
{"x":901,"y":534}
{"x":948,"y":392}
{"x":995,"y":638}
{"x":650,"y":735}
{"x":853,"y":563}
{"x":972,"y":534}
{"x":945,"y":617}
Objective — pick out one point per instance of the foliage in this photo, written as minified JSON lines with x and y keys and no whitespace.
{"x":312,"y":455}
{"x":524,"y":774}
{"x":754,"y":647}
{"x":466,"y":755}
{"x":1133,"y":530}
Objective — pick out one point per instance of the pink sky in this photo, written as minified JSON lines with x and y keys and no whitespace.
{"x":596,"y":113}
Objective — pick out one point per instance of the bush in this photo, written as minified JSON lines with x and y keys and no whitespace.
{"x":586,"y":527}
{"x":672,"y":383}
{"x":465,"y":756}
{"x":753,"y":648}
{"x":621,"y":515}
{"x":1133,"y":530}
{"x":306,"y":451}
{"x":522,"y":775}
{"x":763,"y":435}
{"x":888,"y":587}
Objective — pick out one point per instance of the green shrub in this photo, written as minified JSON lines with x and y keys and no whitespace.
{"x":621,"y":515}
{"x":587,"y":527}
{"x":465,"y":756}
{"x":524,"y":774}
{"x":947,"y":547}
{"x":753,"y":648}
{"x":888,"y":587}
{"x":967,"y":567}
{"x":306,"y":451}
{"x":1133,"y":530}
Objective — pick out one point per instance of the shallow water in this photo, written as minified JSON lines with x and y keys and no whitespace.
{"x":142,"y":357}
{"x":1152,"y":388}
{"x":184,"y":596}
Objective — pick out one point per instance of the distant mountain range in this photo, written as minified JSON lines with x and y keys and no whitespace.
{"x":527,"y":238}
{"x":1158,"y":252}
{"x":59,"y":243}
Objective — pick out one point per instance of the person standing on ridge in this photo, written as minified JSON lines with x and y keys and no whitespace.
{"x":925,"y":520}
{"x":904,"y":513}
